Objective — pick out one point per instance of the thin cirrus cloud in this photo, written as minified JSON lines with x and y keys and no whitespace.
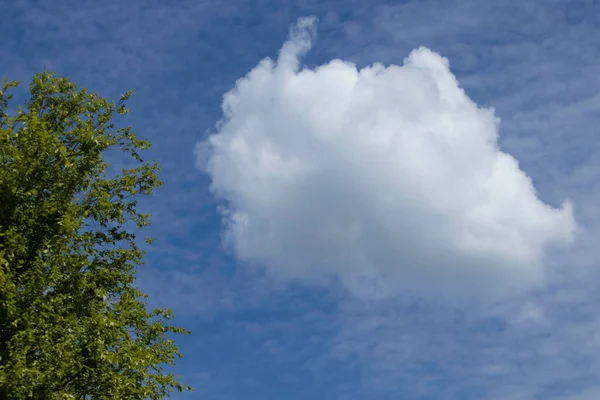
{"x":386,"y":178}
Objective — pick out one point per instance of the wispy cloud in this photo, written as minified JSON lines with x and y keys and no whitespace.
{"x":519,"y":350}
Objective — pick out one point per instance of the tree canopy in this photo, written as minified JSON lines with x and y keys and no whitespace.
{"x":73,"y":325}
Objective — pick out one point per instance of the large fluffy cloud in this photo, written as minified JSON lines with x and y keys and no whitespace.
{"x":387,"y":178}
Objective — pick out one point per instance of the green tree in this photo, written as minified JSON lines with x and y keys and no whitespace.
{"x":72,"y":323}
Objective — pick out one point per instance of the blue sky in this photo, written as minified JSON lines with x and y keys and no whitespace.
{"x":263,"y":327}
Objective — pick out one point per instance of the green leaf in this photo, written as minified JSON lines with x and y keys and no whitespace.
{"x":72,"y":325}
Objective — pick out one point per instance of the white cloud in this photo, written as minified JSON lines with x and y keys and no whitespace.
{"x":529,"y":313}
{"x":388,"y":178}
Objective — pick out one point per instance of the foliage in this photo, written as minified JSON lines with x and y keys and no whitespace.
{"x":72,"y":323}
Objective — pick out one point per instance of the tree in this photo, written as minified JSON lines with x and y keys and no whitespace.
{"x":72,"y":323}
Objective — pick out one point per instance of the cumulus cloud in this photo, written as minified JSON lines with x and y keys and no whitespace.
{"x":386,"y":178}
